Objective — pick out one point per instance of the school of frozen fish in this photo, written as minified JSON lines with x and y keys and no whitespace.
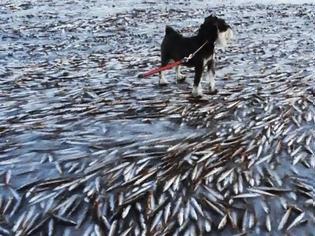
{"x":87,"y":148}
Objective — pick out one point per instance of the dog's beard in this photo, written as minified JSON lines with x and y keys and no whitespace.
{"x":224,"y":37}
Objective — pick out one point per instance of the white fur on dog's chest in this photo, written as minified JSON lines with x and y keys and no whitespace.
{"x":206,"y":60}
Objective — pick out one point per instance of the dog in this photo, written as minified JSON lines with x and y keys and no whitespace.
{"x":174,"y":47}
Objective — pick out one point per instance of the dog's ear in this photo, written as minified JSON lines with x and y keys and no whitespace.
{"x":210,"y":18}
{"x":208,"y":31}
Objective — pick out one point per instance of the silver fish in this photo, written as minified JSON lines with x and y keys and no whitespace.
{"x":223,"y":222}
{"x":268,"y":223}
{"x":284,"y":218}
{"x":296,"y":221}
{"x":113,"y":227}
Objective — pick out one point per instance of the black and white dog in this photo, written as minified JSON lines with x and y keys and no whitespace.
{"x":175,"y":47}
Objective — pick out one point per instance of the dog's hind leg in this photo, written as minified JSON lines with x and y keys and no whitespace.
{"x":162,"y":80}
{"x":197,"y":89}
{"x":179,"y":76}
{"x":210,"y":75}
{"x":164,"y":61}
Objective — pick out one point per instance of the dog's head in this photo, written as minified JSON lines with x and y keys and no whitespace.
{"x":216,"y":30}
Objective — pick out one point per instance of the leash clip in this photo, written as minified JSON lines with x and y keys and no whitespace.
{"x":186,"y":59}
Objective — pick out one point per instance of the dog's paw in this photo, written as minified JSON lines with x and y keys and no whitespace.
{"x":196,"y":92}
{"x":214,"y":91}
{"x":180,"y":78}
{"x":163,"y":82}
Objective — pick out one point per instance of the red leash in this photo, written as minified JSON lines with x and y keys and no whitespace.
{"x":171,"y":65}
{"x":159,"y":69}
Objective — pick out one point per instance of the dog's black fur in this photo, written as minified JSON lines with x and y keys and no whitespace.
{"x":176,"y":47}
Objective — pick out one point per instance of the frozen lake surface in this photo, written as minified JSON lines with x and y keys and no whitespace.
{"x":87,"y":148}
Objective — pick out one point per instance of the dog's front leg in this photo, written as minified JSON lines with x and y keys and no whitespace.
{"x":197,"y":89}
{"x":211,"y":75}
{"x":179,"y":76}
